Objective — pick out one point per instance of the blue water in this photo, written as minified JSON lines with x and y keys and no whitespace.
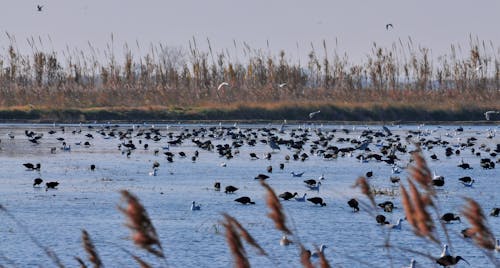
{"x":88,"y":199}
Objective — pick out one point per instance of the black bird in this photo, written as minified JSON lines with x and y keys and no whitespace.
{"x":317,"y":201}
{"x":287,"y":195}
{"x":261,"y":177}
{"x":217,"y":186}
{"x":466,"y":233}
{"x":230,"y":189}
{"x":253,"y":156}
{"x":369,"y":174}
{"x":495,"y":212}
{"x":39,"y":8}
{"x":353,"y":203}
{"x":387,"y":205}
{"x":244,"y":200}
{"x":31,"y":166}
{"x":51,"y":185}
{"x":466,"y":179}
{"x":282,"y":166}
{"x":310,"y":182}
{"x":450,"y":217}
{"x":464,"y":165}
{"x":92,"y":167}
{"x":37,"y":181}
{"x":395,"y":179}
{"x":388,"y":25}
{"x":381,"y":219}
{"x":446,"y":261}
{"x":269,"y":169}
{"x":434,"y":157}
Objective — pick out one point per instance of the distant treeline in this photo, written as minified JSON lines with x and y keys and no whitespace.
{"x":404,"y":80}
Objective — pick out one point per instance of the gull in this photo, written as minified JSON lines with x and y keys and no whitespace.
{"x":282,"y":85}
{"x":311,"y":115}
{"x":285,"y":241}
{"x":445,"y":252}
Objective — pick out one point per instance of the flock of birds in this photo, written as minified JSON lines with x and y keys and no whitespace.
{"x":298,"y":144}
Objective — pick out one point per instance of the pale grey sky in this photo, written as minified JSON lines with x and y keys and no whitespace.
{"x":435,"y":24}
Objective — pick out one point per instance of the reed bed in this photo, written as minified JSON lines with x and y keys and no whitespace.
{"x":163,"y":77}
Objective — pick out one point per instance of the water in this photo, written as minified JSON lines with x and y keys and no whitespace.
{"x":88,"y":199}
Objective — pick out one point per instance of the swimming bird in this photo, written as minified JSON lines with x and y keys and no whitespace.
{"x":244,"y":200}
{"x":317,"y":253}
{"x":39,"y":8}
{"x":154,"y":172}
{"x":495,"y":212}
{"x":388,"y":25}
{"x":464,"y":165}
{"x":217,"y":186}
{"x":314,"y":187}
{"x":369,"y":174}
{"x":285,"y":241}
{"x":412,"y":264}
{"x":230,"y":189}
{"x":438,"y":180}
{"x":395,"y":179}
{"x":354,"y":204}
{"x":448,"y":217}
{"x":497,"y":245}
{"x":273,"y":145}
{"x":450,"y":260}
{"x":282,"y":85}
{"x":466,"y":179}
{"x":446,"y":251}
{"x":322,"y":177}
{"x":317,"y":201}
{"x":261,"y":177}
{"x":282,"y":166}
{"x":253,"y":156}
{"x":287,"y":195}
{"x":31,"y":166}
{"x":311,"y":115}
{"x":92,"y":167}
{"x":195,"y":207}
{"x":297,"y":174}
{"x":396,"y":226}
{"x":37,"y":181}
{"x":388,"y":206}
{"x":381,"y":219}
{"x":301,"y":199}
{"x":51,"y":185}
{"x":310,"y":182}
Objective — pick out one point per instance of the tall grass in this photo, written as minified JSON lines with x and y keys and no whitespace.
{"x":162,"y":76}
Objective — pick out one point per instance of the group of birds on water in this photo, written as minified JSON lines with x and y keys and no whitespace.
{"x":302,"y":144}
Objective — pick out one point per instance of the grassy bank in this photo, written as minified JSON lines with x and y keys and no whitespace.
{"x":249,"y":113}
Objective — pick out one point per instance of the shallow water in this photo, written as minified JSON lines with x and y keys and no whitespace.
{"x":88,"y":199}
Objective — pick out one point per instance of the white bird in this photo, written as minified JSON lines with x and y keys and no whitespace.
{"x":395,"y":170}
{"x":297,"y":174}
{"x":445,"y":252}
{"x":154,"y":172}
{"x":282,"y":85}
{"x":285,"y":241}
{"x":412,"y":264}
{"x":301,"y":199}
{"x":396,"y":226}
{"x":311,"y":115}
{"x":223,"y":84}
{"x":314,"y":187}
{"x":488,"y":114}
{"x":195,"y":207}
{"x":322,"y":177}
{"x":223,"y":164}
{"x":321,"y":250}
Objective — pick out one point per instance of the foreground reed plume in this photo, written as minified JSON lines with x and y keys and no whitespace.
{"x":244,"y":233}
{"x":144,"y":234}
{"x":276,"y":213}
{"x":421,"y":173}
{"x":91,"y":250}
{"x":416,"y":212}
{"x":362,"y":183}
{"x":479,"y":231}
{"x":235,"y":245}
{"x":305,"y":257}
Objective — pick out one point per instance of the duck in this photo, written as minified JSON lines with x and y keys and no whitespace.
{"x":354,"y":204}
{"x":287,"y":195}
{"x":37,"y":181}
{"x":310,"y":182}
{"x":195,"y":207}
{"x":301,"y":199}
{"x":31,"y":166}
{"x":51,"y":185}
{"x":244,"y":200}
{"x":317,"y":201}
{"x":217,"y":186}
{"x":495,"y":212}
{"x":261,"y":177}
{"x":285,"y":241}
{"x":448,"y":217}
{"x":230,"y":189}
{"x":381,"y":219}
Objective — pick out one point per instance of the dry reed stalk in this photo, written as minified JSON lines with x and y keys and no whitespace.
{"x":141,"y":262}
{"x":479,"y":230}
{"x":244,"y":233}
{"x":323,"y":262}
{"x":144,"y":234}
{"x":421,"y":173}
{"x":362,"y":183}
{"x":408,"y":208}
{"x":80,"y":262}
{"x":422,"y":219}
{"x":305,"y":257}
{"x":235,"y":245}
{"x":90,"y":249}
{"x":276,"y":213}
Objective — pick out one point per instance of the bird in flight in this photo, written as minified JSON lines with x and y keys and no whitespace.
{"x":39,"y":8}
{"x":388,"y":25}
{"x":311,"y":115}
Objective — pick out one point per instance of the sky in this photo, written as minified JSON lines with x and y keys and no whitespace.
{"x":289,"y":25}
